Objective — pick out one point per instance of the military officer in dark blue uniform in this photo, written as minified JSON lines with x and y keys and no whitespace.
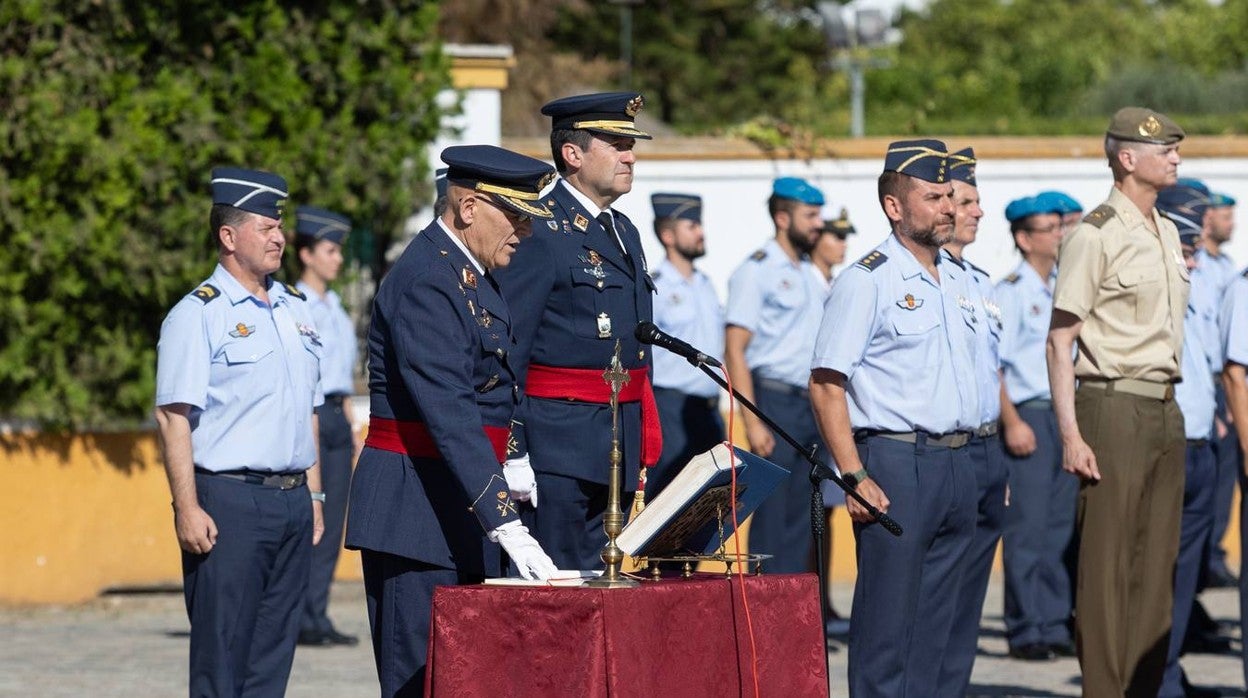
{"x":893,"y":390}
{"x":429,"y":498}
{"x":983,"y":317}
{"x":686,"y":307}
{"x":237,"y":379}
{"x":577,"y":287}
{"x":319,"y":235}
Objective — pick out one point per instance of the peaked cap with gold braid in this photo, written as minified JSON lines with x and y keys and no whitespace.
{"x":512,"y":179}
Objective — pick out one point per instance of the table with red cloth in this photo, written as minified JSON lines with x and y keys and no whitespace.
{"x":678,"y":637}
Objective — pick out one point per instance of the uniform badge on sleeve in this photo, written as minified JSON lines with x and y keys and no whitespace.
{"x":206,"y":292}
{"x":910,"y":302}
{"x":240,"y":330}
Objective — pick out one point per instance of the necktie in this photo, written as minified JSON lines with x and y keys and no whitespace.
{"x":605,"y":220}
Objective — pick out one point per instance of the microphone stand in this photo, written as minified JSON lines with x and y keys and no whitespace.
{"x":818,"y":472}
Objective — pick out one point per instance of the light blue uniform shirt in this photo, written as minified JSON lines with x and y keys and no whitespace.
{"x":976,"y":301}
{"x":1205,"y":301}
{"x":1221,"y":268}
{"x":1233,"y":321}
{"x":778,"y":300}
{"x":337,"y":336}
{"x":1195,"y":393}
{"x":686,"y":308}
{"x":903,"y":343}
{"x":1026,"y":303}
{"x":250,"y":373}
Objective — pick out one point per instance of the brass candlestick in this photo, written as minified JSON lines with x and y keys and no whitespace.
{"x":613,"y":519}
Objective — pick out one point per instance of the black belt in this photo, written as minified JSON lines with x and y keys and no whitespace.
{"x":282,"y":481}
{"x":1036,"y":403}
{"x":780,"y":387}
{"x":956,"y":439}
{"x":336,"y":398}
{"x":1197,"y":443}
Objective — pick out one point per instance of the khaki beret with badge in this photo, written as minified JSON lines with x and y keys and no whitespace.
{"x":1144,"y":125}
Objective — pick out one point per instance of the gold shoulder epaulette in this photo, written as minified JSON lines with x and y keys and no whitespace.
{"x":206,"y":292}
{"x":290,"y":288}
{"x":1100,"y":215}
{"x":872,"y":261}
{"x":759,"y":256}
{"x":1012,"y":278}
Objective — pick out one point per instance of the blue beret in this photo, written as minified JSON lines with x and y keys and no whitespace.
{"x":262,"y":193}
{"x":610,"y":113}
{"x":962,"y":166}
{"x":1057,"y":202}
{"x":319,"y":224}
{"x":797,"y":189}
{"x":1194,"y":184}
{"x":512,"y":179}
{"x":439,"y":181}
{"x":1183,"y":201}
{"x":687,"y":206}
{"x":1218,"y":200}
{"x":922,"y":159}
{"x":1019,"y":209}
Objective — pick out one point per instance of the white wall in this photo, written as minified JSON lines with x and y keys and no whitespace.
{"x":735,"y":195}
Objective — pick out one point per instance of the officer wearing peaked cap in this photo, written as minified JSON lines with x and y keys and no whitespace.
{"x":685,"y":306}
{"x":829,"y":251}
{"x":431,"y":495}
{"x":1040,"y":521}
{"x":887,"y":389}
{"x":1121,"y":291}
{"x":237,"y":379}
{"x":983,"y":317}
{"x":578,"y":287}
{"x":772,"y":297}
{"x":319,"y":235}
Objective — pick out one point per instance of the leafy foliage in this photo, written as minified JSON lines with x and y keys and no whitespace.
{"x":112,"y":114}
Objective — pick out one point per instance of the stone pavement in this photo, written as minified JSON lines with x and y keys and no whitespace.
{"x":136,"y":645}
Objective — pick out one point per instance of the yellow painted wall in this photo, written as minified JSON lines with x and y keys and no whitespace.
{"x":80,"y":514}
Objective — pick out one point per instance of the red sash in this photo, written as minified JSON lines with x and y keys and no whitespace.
{"x":413,"y":438}
{"x":587,"y":385}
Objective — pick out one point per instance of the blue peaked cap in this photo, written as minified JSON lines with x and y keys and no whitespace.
{"x":254,"y":191}
{"x":439,"y":181}
{"x":962,"y":166}
{"x":610,"y":113}
{"x":511,"y":179}
{"x":687,"y":206}
{"x":314,"y":223}
{"x":1185,"y":202}
{"x":797,"y":189}
{"x":1189,"y":225}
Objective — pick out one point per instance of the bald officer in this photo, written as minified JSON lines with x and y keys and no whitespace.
{"x":1121,"y":292}
{"x":319,"y":235}
{"x":430,"y":496}
{"x":889,"y":393}
{"x":772,"y":300}
{"x":238,"y":375}
{"x":686,"y":306}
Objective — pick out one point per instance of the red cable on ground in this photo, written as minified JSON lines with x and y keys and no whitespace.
{"x":736,"y":535}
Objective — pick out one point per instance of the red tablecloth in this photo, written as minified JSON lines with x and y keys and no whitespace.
{"x":668,"y":638}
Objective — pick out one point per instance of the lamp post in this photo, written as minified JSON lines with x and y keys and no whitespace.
{"x":853,"y":32}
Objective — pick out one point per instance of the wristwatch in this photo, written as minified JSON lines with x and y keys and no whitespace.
{"x":855,"y":478}
{"x":318,"y":496}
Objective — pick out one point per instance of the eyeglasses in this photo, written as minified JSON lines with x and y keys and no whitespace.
{"x":1046,"y":229}
{"x":510,"y":213}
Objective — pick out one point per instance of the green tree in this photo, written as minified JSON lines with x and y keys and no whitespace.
{"x":112,"y":114}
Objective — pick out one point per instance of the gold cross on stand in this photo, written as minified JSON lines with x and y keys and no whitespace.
{"x":616,"y":377}
{"x":613,"y":518}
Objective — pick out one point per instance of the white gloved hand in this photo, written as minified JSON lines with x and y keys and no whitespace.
{"x":524,"y":550}
{"x":521,"y":480}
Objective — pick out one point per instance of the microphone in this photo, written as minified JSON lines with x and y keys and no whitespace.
{"x":649,"y":333}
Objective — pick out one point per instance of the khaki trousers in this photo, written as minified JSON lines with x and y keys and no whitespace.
{"x":1129,"y":539}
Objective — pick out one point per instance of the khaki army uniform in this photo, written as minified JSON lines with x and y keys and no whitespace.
{"x":1129,"y":286}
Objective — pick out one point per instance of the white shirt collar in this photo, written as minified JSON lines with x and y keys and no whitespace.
{"x":462,"y":248}
{"x":583,"y":200}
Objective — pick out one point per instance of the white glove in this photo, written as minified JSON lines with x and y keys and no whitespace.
{"x":524,"y":550}
{"x":521,"y":480}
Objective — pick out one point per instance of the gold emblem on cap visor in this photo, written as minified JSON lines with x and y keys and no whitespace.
{"x":1150,"y":127}
{"x":545,"y":182}
{"x":634,"y":105}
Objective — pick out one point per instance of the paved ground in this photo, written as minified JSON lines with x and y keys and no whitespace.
{"x":135,"y":645}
